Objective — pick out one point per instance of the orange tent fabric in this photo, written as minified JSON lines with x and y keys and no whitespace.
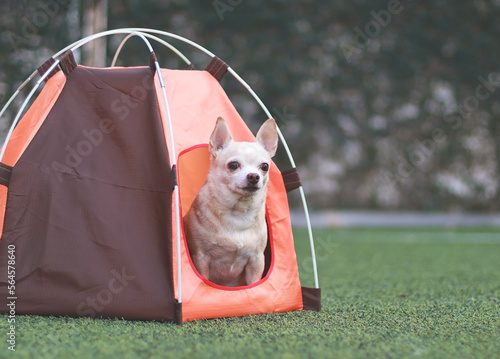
{"x":28,"y":127}
{"x":196,"y":100}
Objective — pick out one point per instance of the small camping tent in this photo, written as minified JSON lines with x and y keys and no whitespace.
{"x":95,"y":178}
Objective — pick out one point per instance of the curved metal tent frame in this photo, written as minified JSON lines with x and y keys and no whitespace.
{"x":146,"y":34}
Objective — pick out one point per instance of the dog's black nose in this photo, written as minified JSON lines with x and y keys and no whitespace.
{"x":253,"y":178}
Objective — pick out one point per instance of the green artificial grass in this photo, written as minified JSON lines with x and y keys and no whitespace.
{"x":387,"y":293}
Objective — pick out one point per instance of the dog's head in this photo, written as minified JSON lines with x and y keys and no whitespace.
{"x":242,"y":166}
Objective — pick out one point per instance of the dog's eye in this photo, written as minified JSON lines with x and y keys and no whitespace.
{"x":264,"y":167}
{"x":233,"y":166}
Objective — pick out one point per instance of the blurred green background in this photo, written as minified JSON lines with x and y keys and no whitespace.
{"x":386,"y":104}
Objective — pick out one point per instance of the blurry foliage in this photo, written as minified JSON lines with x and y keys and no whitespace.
{"x":369,"y":128}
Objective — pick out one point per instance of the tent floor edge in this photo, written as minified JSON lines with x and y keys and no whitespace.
{"x":311,"y":298}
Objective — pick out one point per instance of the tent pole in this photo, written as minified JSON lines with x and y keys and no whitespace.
{"x":176,"y":186}
{"x":292,"y":162}
{"x":25,"y":103}
{"x":164,"y":43}
{"x":174,"y":166}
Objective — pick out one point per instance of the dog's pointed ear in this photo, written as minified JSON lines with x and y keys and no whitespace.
{"x":268,"y":136}
{"x":220,"y":138}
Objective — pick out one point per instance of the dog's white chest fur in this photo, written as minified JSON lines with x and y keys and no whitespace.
{"x":232,"y":238}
